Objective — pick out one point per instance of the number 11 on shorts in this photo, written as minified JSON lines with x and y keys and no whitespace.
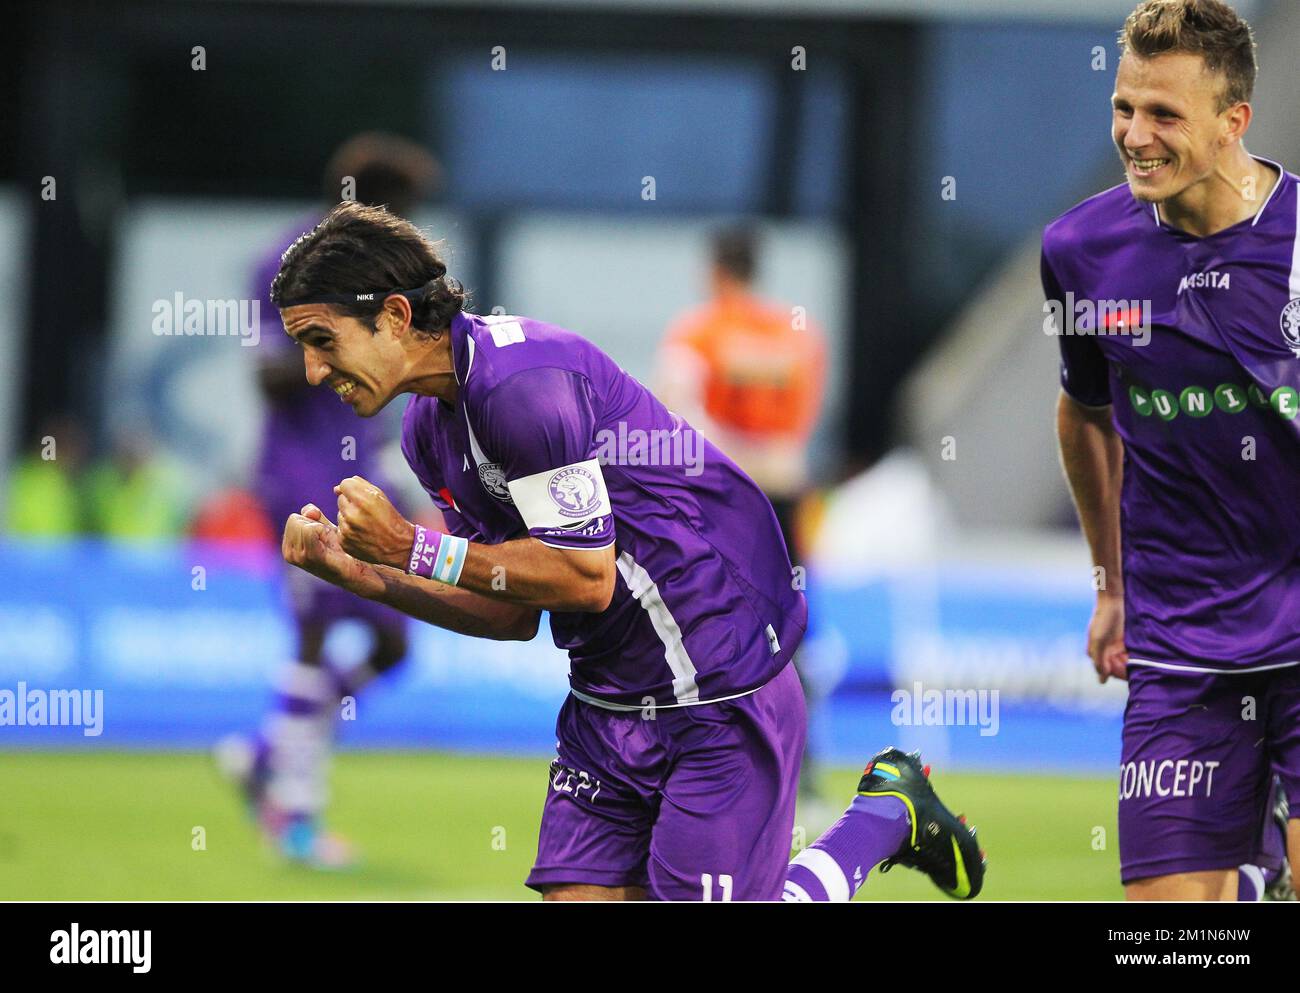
{"x":724,"y":883}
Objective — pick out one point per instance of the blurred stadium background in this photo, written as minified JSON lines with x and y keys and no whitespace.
{"x":900,"y":178}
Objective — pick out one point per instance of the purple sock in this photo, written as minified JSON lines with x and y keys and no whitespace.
{"x":293,"y":748}
{"x":834,"y":866}
{"x":297,"y":693}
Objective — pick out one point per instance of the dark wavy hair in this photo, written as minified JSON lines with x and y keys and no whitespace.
{"x":359,"y":249}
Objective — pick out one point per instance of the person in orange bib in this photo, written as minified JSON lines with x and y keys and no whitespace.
{"x":750,"y":374}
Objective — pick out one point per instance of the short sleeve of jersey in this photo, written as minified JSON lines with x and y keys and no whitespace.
{"x":540,"y":426}
{"x":422,"y":465}
{"x":1084,"y":373}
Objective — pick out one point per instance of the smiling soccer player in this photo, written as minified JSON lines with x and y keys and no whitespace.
{"x":669,"y":585}
{"x":1182,"y":451}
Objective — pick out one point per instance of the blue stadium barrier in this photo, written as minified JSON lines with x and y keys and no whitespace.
{"x":982,"y":667}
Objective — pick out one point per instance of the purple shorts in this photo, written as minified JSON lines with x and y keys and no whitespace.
{"x":696,"y":804}
{"x":1200,"y":751}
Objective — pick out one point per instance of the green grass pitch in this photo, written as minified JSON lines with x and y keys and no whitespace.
{"x":441,"y":826}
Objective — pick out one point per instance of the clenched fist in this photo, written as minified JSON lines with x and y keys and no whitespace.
{"x":1106,"y":637}
{"x":370,"y":527}
{"x":313,"y":544}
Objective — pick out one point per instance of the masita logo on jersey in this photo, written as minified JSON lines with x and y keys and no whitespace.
{"x":574,"y":491}
{"x":1291,"y":326}
{"x":1212,"y":279}
{"x":1197,"y":401}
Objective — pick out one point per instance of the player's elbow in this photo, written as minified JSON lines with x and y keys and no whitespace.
{"x":587,"y":596}
{"x":592,"y":586}
{"x":601,"y":593}
{"x":1071,"y":411}
{"x":523,"y":628}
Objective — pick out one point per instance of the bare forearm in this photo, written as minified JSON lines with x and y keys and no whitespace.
{"x":525,"y":572}
{"x":1092,"y":456}
{"x":455,"y":608}
{"x":529,"y":573}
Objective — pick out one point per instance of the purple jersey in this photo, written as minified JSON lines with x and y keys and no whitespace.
{"x":311,"y":439}
{"x":1199,"y":356}
{"x":550,"y":438}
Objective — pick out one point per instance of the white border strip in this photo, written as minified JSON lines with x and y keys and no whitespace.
{"x":1294,"y":284}
{"x":596,"y":701}
{"x":1277,"y":185}
{"x":1221,"y":672}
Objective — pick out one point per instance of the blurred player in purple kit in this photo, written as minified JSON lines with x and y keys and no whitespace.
{"x":567,"y":487}
{"x":1178,"y":433}
{"x":309,"y":442}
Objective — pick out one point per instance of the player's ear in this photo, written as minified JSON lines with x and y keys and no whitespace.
{"x":396,"y":314}
{"x":1236,"y":123}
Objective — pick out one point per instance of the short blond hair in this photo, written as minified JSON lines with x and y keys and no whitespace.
{"x":1208,"y":28}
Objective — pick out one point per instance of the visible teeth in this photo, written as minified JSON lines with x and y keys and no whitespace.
{"x":343,"y":389}
{"x":1147,"y":165}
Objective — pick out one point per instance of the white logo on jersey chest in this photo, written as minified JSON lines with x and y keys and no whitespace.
{"x":1211,"y":280}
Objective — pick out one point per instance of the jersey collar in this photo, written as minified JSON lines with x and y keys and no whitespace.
{"x":462,"y":347}
{"x":1281,"y":176}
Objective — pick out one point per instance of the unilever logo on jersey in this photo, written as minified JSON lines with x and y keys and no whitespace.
{"x":1071,"y":316}
{"x":1199,"y":401}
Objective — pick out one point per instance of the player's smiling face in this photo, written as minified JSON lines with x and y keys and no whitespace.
{"x":1166,"y":123}
{"x":364,"y":367}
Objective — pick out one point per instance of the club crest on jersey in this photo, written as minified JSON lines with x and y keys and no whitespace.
{"x":1291,"y":325}
{"x":494,"y":481}
{"x":574,"y":491}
